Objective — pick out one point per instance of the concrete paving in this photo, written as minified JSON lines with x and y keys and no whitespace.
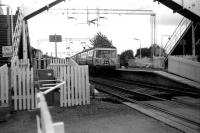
{"x":101,"y":116}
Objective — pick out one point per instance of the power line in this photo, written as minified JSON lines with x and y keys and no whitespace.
{"x":102,"y":11}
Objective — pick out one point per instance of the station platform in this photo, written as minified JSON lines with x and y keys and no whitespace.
{"x":103,"y":115}
{"x":179,"y":79}
{"x":161,"y":77}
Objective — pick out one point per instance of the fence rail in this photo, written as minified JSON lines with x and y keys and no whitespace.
{"x":43,"y":63}
{"x":4,"y":88}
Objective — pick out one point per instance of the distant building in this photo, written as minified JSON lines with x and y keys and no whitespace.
{"x":1,"y":10}
{"x":36,"y":53}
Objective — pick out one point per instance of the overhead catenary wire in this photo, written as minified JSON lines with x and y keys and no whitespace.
{"x":102,"y":11}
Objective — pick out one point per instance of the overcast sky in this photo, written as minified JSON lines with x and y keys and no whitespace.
{"x":121,"y":29}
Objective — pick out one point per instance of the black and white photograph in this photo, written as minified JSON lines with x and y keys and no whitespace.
{"x":99,"y":66}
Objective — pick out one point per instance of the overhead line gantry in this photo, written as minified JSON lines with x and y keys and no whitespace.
{"x":102,"y":11}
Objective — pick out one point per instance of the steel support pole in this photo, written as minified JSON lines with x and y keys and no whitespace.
{"x":193,"y":41}
{"x":55,"y":46}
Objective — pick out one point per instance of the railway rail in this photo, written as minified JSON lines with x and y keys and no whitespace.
{"x":161,"y":92}
{"x":122,"y":91}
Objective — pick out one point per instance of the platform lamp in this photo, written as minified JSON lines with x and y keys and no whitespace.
{"x":140,"y":45}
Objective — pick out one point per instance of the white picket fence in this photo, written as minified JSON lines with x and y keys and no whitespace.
{"x":75,"y":91}
{"x":4,"y":88}
{"x":41,"y":63}
{"x":23,"y":87}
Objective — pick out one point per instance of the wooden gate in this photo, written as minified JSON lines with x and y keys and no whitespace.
{"x":75,"y":91}
{"x":24,"y":92}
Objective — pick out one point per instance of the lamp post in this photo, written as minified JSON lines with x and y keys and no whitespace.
{"x":161,"y":53}
{"x":140,"y":45}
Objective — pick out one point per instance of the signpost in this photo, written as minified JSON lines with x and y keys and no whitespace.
{"x":7,"y":51}
{"x":55,"y":38}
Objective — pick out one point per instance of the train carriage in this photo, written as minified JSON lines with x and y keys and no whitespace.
{"x":97,"y":58}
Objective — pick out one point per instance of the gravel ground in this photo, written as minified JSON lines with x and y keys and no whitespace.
{"x":101,"y":116}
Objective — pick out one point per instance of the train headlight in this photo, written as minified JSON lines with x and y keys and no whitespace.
{"x":97,"y":61}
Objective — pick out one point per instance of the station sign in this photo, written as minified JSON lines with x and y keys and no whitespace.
{"x":55,"y":38}
{"x":7,"y":51}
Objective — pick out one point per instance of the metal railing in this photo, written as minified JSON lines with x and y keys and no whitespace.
{"x":49,"y":89}
{"x":178,"y":33}
{"x":45,"y":123}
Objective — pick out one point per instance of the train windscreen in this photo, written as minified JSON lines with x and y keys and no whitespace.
{"x":106,"y":54}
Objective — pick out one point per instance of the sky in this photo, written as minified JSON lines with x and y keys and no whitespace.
{"x":121,"y":29}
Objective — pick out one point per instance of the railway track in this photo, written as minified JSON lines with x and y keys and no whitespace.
{"x":123,"y":92}
{"x":162,"y":93}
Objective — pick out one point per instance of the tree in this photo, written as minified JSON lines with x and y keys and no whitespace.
{"x":147,"y":52}
{"x":156,"y":49}
{"x":101,"y":41}
{"x":125,"y":56}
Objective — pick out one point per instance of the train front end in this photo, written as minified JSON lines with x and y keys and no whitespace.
{"x":105,"y":58}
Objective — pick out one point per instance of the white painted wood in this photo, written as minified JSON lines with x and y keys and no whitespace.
{"x":65,"y":87}
{"x":38,"y":124}
{"x":79,"y":86}
{"x":72,"y":85}
{"x":76,"y":84}
{"x":44,"y":121}
{"x":54,"y":87}
{"x":19,"y":86}
{"x":83,"y":83}
{"x":15,"y":88}
{"x":76,"y":89}
{"x":33,"y":95}
{"x":23,"y":69}
{"x":28,"y":89}
{"x":22,"y":78}
{"x":62,"y":87}
{"x":87,"y":85}
{"x":68,"y":87}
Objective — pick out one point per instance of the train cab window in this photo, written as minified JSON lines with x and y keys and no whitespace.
{"x":113,"y":54}
{"x":90,"y":53}
{"x":105,"y":53}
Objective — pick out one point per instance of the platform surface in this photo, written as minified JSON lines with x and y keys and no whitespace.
{"x":101,"y":116}
{"x":179,"y":79}
{"x":167,"y":75}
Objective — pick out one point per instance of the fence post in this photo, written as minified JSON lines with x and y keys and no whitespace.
{"x":10,"y":89}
